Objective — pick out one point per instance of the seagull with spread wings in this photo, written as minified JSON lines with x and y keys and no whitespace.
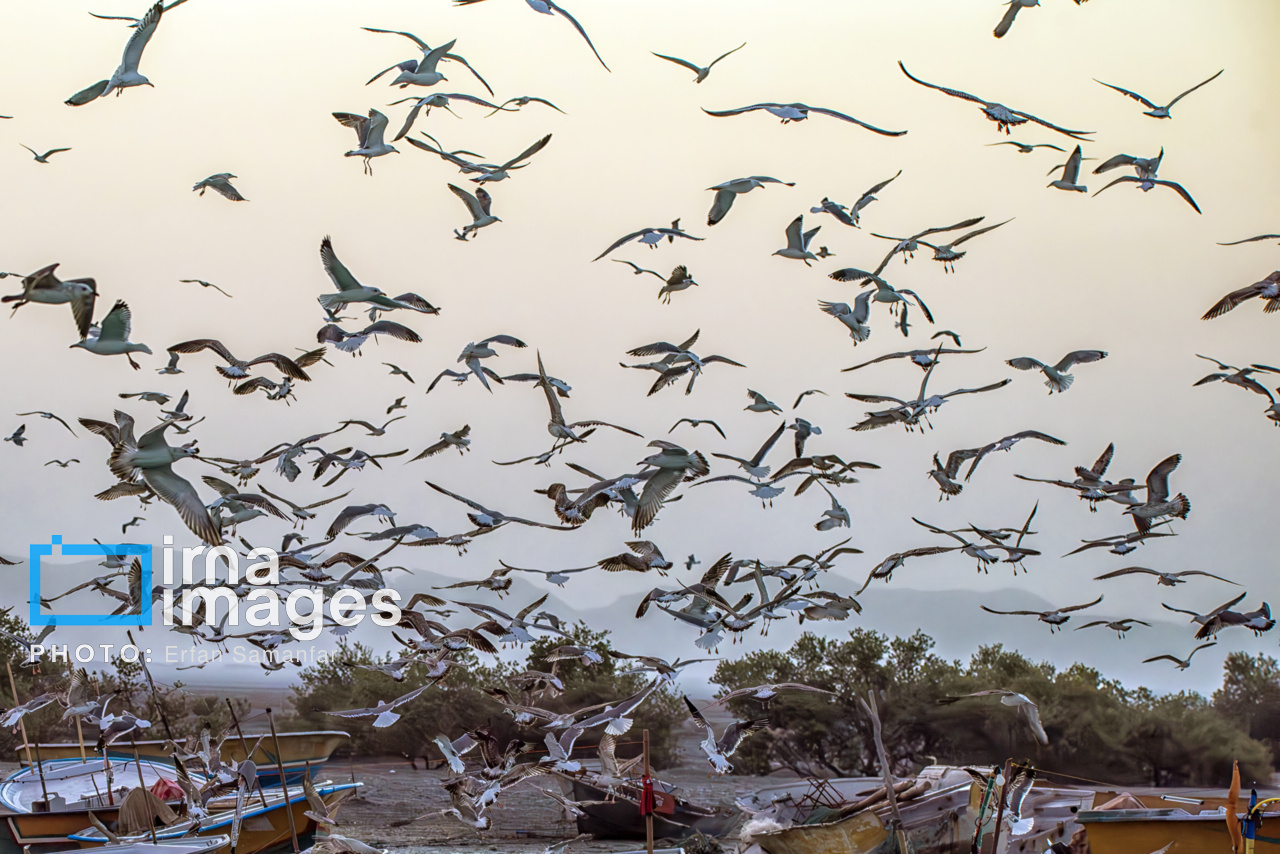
{"x":1056,"y":376}
{"x":1166,"y":579}
{"x":700,"y":71}
{"x":1268,"y":289}
{"x":798,"y":113}
{"x":1158,"y":503}
{"x":719,"y":750}
{"x":1026,"y":709}
{"x":1182,"y":663}
{"x":422,"y":72}
{"x":650,"y":237}
{"x":369,"y":131}
{"x":1054,"y":618}
{"x":727,"y":191}
{"x":1157,"y":112}
{"x":1004,"y":117}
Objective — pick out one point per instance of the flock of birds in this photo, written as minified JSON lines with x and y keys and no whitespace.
{"x":736,"y":594}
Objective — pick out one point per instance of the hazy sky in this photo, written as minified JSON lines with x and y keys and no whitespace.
{"x":248,"y":88}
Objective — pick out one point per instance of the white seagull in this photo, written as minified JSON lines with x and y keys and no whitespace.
{"x":369,"y":130}
{"x":111,"y":336}
{"x":1154,"y":111}
{"x":698,"y":70}
{"x":798,"y":113}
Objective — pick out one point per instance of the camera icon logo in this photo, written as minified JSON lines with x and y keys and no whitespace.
{"x":121,"y":551}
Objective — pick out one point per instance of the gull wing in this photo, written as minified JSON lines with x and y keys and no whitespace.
{"x":141,"y":35}
{"x":686,"y":63}
{"x":553,"y":7}
{"x":621,"y":240}
{"x":859,"y":122}
{"x":795,"y":236}
{"x":955,"y":93}
{"x":1189,"y":91}
{"x":1158,"y":479}
{"x":117,"y":324}
{"x":723,"y":55}
{"x":341,"y":276}
{"x":419,"y":42}
{"x":528,"y":152}
{"x":1134,"y":95}
{"x":178,"y":492}
{"x":474,"y":207}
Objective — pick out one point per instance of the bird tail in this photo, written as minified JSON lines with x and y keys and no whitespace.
{"x":1182,"y":506}
{"x":1061,"y":384}
{"x":330,"y":301}
{"x":12,"y":298}
{"x":121,"y":461}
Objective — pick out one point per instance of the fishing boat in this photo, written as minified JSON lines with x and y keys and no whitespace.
{"x":262,"y":829}
{"x":1124,"y":831}
{"x":198,"y":845}
{"x":620,"y":818}
{"x":300,"y":753}
{"x":46,"y":805}
{"x":940,"y":809}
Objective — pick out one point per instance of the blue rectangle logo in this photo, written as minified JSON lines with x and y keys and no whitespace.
{"x":141,"y":552}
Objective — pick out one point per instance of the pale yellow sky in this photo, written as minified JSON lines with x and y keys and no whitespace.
{"x":248,"y":87}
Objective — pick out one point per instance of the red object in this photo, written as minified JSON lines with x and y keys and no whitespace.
{"x":167,"y":790}
{"x":647,"y":800}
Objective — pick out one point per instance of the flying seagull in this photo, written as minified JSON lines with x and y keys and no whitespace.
{"x":727,"y":191}
{"x":719,"y":750}
{"x":1054,"y":618}
{"x":422,"y":72}
{"x":1056,"y":376}
{"x":698,"y":70}
{"x":202,"y":283}
{"x":651,"y":237}
{"x":1025,"y":708}
{"x":43,"y":158}
{"x":1004,"y":117}
{"x":798,"y":113}
{"x":1182,"y":663}
{"x":369,"y":131}
{"x":43,"y":286}
{"x":111,"y":336}
{"x":220,"y":183}
{"x":478,"y":207}
{"x":1154,"y":111}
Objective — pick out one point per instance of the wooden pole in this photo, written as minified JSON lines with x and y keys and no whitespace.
{"x":1004,"y":787}
{"x":80,"y":737}
{"x":648,"y":819}
{"x":142,"y":784}
{"x":155,"y":696}
{"x":244,"y":745}
{"x":288,"y":807}
{"x":869,"y":706}
{"x":13,"y":686}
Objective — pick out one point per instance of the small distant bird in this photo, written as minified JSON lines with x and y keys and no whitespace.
{"x":719,"y":751}
{"x":798,"y":113}
{"x":397,"y":371}
{"x":798,"y":240}
{"x":1120,"y":627}
{"x":1004,"y":117}
{"x":698,"y":70}
{"x":18,"y":438}
{"x":727,"y":191}
{"x":1166,"y":579}
{"x":383,"y":714}
{"x":369,"y":131}
{"x":202,"y":283}
{"x":1025,"y":707}
{"x":220,"y":183}
{"x":1056,"y":376}
{"x":694,"y":422}
{"x":1154,"y":111}
{"x":679,"y":280}
{"x":134,"y":521}
{"x":1158,"y":503}
{"x":478,"y":206}
{"x":1145,"y":184}
{"x":43,"y":158}
{"x":759,"y":403}
{"x":62,"y":463}
{"x":50,"y":416}
{"x":399,"y":404}
{"x":1026,"y":148}
{"x":850,"y":215}
{"x":1070,"y":179}
{"x":524,"y":101}
{"x":650,"y":237}
{"x":1182,"y":663}
{"x":1054,"y":618}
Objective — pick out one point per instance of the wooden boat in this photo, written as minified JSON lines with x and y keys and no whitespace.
{"x":300,"y":752}
{"x":675,"y":818}
{"x":196,"y":845}
{"x":261,"y":829}
{"x":1126,"y":831}
{"x":75,"y":789}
